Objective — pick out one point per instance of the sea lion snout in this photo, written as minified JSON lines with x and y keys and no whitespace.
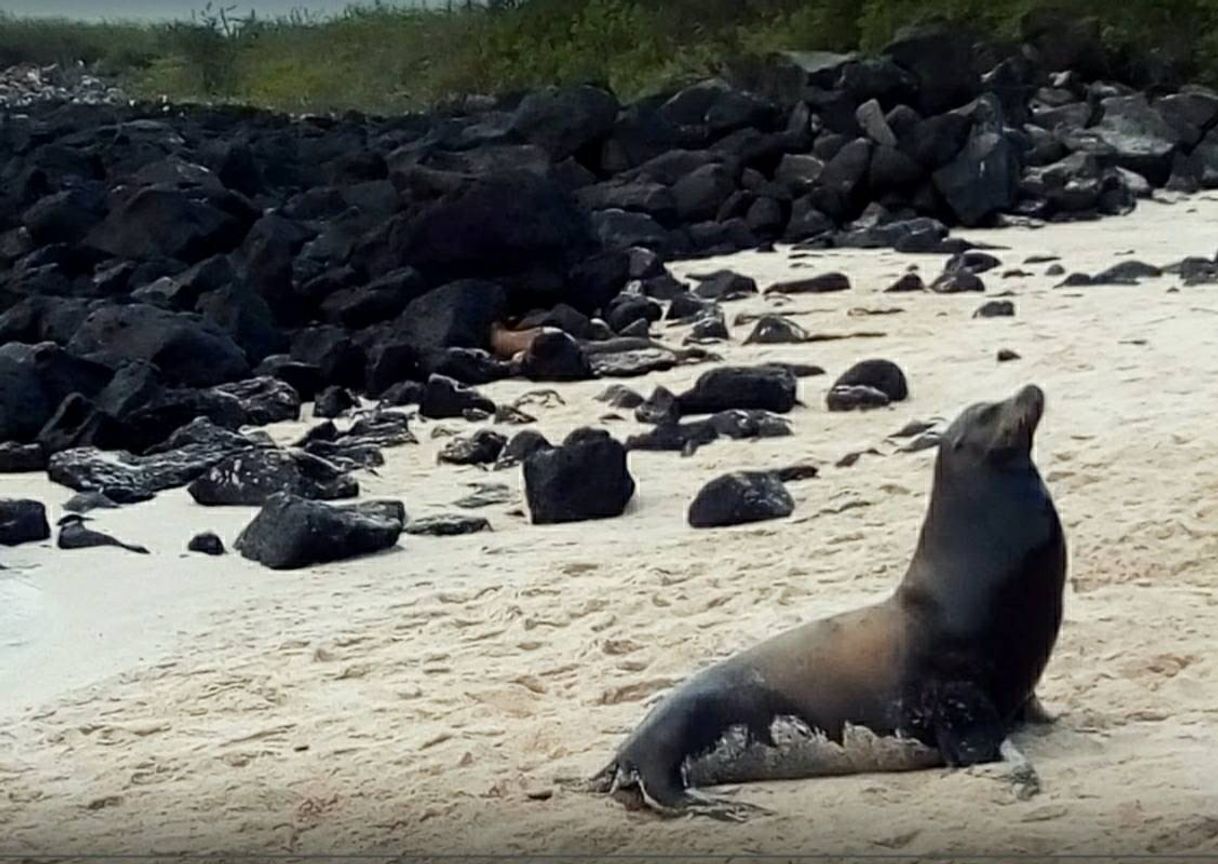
{"x":1021,"y":416}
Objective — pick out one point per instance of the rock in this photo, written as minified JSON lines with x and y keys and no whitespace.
{"x":620,"y":229}
{"x":444,"y":398}
{"x":724,"y":285}
{"x":620,"y":396}
{"x":974,"y":261}
{"x":290,"y":532}
{"x":469,"y":366}
{"x":249,"y":478}
{"x":185,"y":349}
{"x":1126,"y":273}
{"x":639,"y":329}
{"x":481,"y":448}
{"x":627,"y":309}
{"x":957,"y":282}
{"x":127,"y":479}
{"x":74,"y":535}
{"x":22,"y":521}
{"x":264,"y":400}
{"x":206,"y":543}
{"x":687,"y":306}
{"x":21,"y":458}
{"x":586,"y":478}
{"x":982,"y":180}
{"x":334,"y":402}
{"x":1137,"y":136}
{"x":701,"y":193}
{"x":78,"y":423}
{"x":556,"y":356}
{"x":565,"y":120}
{"x":940,"y":58}
{"x":908,"y":283}
{"x":1055,"y":270}
{"x":761,"y":388}
{"x":996,"y":309}
{"x":882,"y":375}
{"x":822,"y":284}
{"x":854,"y":398}
{"x":776,"y":330}
{"x":168,"y":223}
{"x":83,"y":502}
{"x":522,"y":445}
{"x":659,"y":409}
{"x":740,"y":498}
{"x":34,"y":382}
{"x":1006,"y":355}
{"x":798,"y":172}
{"x":456,"y":315}
{"x":304,"y":378}
{"x":710,"y":326}
{"x":447,"y":525}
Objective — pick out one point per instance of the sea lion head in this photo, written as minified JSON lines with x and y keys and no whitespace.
{"x":993,"y":436}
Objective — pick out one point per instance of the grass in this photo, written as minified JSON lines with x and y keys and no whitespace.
{"x":386,"y":59}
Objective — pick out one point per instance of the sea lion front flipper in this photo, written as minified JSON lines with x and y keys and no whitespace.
{"x":1023,"y":776}
{"x":967,"y":727}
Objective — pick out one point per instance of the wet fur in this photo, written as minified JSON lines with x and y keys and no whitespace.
{"x":938,"y":673}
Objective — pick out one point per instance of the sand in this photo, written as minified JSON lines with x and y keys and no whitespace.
{"x":429,"y":700}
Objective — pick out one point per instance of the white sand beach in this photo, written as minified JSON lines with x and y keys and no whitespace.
{"x":429,"y":700}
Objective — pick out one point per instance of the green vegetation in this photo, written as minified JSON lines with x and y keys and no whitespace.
{"x":383,"y":59}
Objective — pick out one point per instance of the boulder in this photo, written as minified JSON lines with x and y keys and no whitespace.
{"x":740,"y":498}
{"x":481,"y":448}
{"x":444,"y":398}
{"x":586,"y":478}
{"x":206,"y":543}
{"x":762,"y":388}
{"x":291,"y":532}
{"x":23,"y":521}
{"x":187,"y":350}
{"x":34,"y":382}
{"x":250,"y":477}
{"x":565,"y":120}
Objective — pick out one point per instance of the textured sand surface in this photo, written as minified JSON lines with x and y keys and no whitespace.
{"x":426,"y":700}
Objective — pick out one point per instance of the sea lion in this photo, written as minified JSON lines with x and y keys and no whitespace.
{"x":938,"y":673}
{"x":509,"y":344}
{"x":74,"y":535}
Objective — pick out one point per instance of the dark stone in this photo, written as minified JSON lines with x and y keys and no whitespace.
{"x":78,"y":423}
{"x":185,"y":349}
{"x":457,"y":315}
{"x":740,"y":498}
{"x":444,"y":398}
{"x":21,"y":458}
{"x":620,"y":396}
{"x":331,"y":351}
{"x":264,"y":400}
{"x":763,"y":388}
{"x":855,"y":398}
{"x":639,"y":329}
{"x":290,"y":532}
{"x":909,"y":282}
{"x":380,"y":300}
{"x":620,"y":229}
{"x":250,"y":478}
{"x":996,"y":309}
{"x":481,"y":448}
{"x":776,"y":330}
{"x":799,"y":172}
{"x":334,"y":402}
{"x":447,"y":525}
{"x":170,"y":223}
{"x":627,"y":309}
{"x":701,"y":193}
{"x":206,"y":543}
{"x":957,"y":282}
{"x":35,"y":380}
{"x":687,"y":306}
{"x":23,"y":521}
{"x":940,"y":58}
{"x":882,"y":375}
{"x":469,"y":366}
{"x":565,"y":120}
{"x":710,"y":326}
{"x":841,"y":189}
{"x":304,"y":378}
{"x":522,"y":445}
{"x":1137,"y":136}
{"x":822,"y":284}
{"x":723,"y":285}
{"x":974,"y":261}
{"x":659,"y":408}
{"x":983,"y":179}
{"x":555,"y":357}
{"x":1006,"y":355}
{"x":586,"y":478}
